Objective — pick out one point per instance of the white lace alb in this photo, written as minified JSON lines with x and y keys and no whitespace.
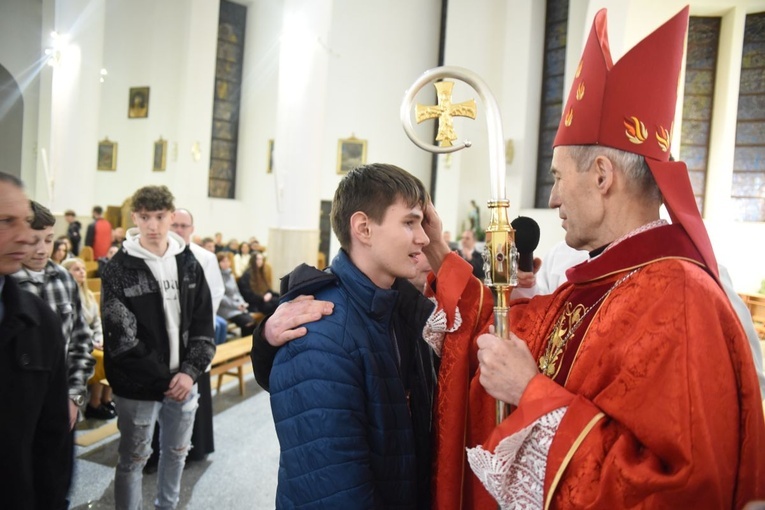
{"x":435,"y":328}
{"x":515,"y":473}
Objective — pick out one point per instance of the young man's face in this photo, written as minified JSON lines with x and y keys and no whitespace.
{"x":153,"y":227}
{"x":15,"y":232}
{"x":396,"y":244}
{"x":41,"y":250}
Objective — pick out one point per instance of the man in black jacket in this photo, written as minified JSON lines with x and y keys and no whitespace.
{"x":73,"y":231}
{"x":158,"y":339}
{"x":34,"y":427}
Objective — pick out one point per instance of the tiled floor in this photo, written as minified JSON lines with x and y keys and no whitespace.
{"x":241,"y":474}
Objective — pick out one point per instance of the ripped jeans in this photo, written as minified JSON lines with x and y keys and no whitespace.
{"x":135,"y":422}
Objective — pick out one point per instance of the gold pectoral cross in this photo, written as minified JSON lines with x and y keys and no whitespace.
{"x":444,"y":111}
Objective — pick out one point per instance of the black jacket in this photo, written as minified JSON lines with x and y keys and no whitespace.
{"x":73,"y":233}
{"x":35,"y":439}
{"x":136,"y":347}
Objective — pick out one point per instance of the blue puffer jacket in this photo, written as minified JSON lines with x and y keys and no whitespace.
{"x":340,"y":407}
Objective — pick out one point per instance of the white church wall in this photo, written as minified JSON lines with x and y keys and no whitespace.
{"x":375,"y":53}
{"x":145,"y":46}
{"x":21,"y":53}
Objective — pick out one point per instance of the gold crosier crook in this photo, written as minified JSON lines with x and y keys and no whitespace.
{"x":500,"y":254}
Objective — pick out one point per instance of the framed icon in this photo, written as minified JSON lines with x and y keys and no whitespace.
{"x":351,"y":152}
{"x":160,"y":155}
{"x":107,"y":155}
{"x":270,"y":164}
{"x":138,"y":103}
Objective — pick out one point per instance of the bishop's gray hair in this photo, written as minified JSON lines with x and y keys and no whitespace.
{"x":633,"y":165}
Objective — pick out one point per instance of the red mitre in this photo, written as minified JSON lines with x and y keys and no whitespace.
{"x":631,"y":106}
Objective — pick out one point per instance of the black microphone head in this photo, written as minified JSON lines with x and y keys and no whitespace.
{"x":526,"y":234}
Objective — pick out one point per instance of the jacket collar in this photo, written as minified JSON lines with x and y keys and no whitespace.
{"x":50,"y":270}
{"x":16,"y":316}
{"x":378,"y":303}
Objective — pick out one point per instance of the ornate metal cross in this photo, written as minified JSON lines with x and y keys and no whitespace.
{"x":444,"y":111}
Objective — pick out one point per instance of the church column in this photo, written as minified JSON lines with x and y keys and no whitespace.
{"x":69,"y":161}
{"x":298,"y":147}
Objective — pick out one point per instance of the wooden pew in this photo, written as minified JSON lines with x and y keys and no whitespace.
{"x":230,"y":359}
{"x":94,"y":284}
{"x":91,"y":269}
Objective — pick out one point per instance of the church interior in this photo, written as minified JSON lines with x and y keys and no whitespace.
{"x":251,"y":111}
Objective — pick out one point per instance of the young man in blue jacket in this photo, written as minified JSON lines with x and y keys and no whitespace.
{"x":340,"y":395}
{"x":158,"y":339}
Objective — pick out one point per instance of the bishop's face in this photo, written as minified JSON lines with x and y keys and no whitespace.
{"x":575,"y":194}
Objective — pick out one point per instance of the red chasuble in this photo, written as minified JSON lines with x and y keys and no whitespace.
{"x":663,"y":410}
{"x":464,"y":412}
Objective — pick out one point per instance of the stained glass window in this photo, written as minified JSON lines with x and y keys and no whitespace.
{"x":556,"y":33}
{"x":700,"y":73}
{"x":748,"y":186}
{"x":226,"y":101}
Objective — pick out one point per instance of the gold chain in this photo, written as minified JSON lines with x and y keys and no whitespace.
{"x":548,"y":363}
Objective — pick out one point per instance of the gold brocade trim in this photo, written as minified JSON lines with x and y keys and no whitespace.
{"x":579,"y":347}
{"x":556,"y":345}
{"x":569,"y":455}
{"x":572,"y":318}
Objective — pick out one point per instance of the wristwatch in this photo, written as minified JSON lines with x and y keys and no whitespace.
{"x":78,"y":399}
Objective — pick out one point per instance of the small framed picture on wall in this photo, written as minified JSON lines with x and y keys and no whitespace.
{"x":107,"y":155}
{"x":138,"y":103}
{"x":270,"y":163}
{"x":160,"y":155}
{"x":351,"y":152}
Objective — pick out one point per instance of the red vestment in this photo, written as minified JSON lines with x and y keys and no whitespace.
{"x":663,"y":404}
{"x":464,"y":413}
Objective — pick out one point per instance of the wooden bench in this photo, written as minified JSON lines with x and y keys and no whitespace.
{"x":230,"y":358}
{"x":94,"y":284}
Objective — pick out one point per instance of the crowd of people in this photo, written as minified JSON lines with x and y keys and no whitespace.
{"x":628,"y":385}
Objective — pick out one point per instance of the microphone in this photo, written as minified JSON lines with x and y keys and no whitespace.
{"x":526,"y":241}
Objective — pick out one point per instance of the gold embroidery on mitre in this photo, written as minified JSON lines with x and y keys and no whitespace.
{"x":549,"y":363}
{"x":569,"y":117}
{"x":579,"y":68}
{"x":664,"y":137}
{"x":580,"y":92}
{"x":635,"y":130}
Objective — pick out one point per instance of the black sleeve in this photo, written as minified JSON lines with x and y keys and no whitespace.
{"x":90,"y":234}
{"x":262,"y":355}
{"x":201,"y":346}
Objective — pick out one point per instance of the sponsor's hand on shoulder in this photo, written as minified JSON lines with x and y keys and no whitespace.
{"x":287,"y":322}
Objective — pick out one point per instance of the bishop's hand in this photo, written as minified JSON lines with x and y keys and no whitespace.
{"x":507,"y":367}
